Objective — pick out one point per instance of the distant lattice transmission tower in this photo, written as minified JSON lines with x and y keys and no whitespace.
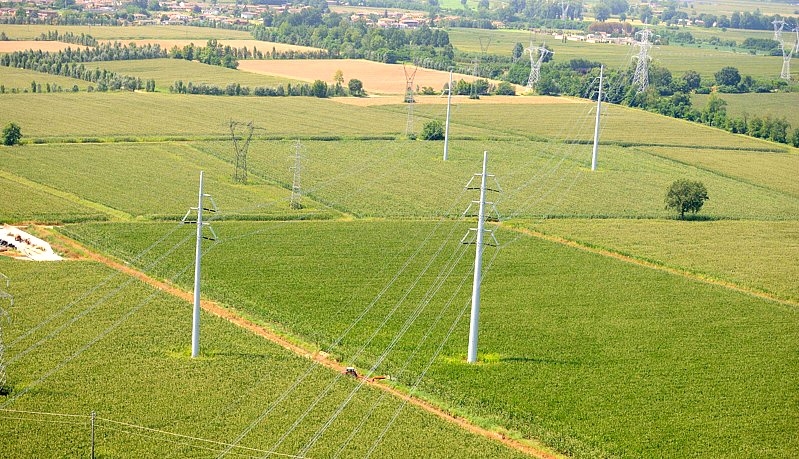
{"x":641,"y":76}
{"x":475,"y":93}
{"x":785,"y":74}
{"x":409,"y":76}
{"x":241,"y":143}
{"x":296,"y":190}
{"x":537,"y":56}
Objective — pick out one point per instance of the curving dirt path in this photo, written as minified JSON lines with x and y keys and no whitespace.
{"x":82,"y":252}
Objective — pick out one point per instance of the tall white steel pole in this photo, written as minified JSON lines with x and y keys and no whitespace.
{"x":195,"y":324}
{"x":446,"y":126}
{"x":596,"y":126}
{"x":478,"y":266}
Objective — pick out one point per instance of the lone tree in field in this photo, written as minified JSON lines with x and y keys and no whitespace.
{"x":686,"y":196}
{"x":11,"y":134}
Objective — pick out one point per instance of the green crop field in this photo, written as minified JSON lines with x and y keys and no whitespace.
{"x":144,"y":115}
{"x":90,"y":340}
{"x":156,"y":177}
{"x":20,"y":79}
{"x":754,"y":254}
{"x":593,"y":355}
{"x":678,"y":59}
{"x":30,"y":32}
{"x":775,"y":105}
{"x":618,"y":332}
{"x":165,"y":72}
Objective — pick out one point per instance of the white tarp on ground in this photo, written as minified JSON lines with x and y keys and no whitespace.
{"x":30,"y":246}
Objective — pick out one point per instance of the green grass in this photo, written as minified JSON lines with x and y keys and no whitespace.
{"x":166,"y":71}
{"x":593,"y":355}
{"x":754,"y":254}
{"x":29,"y":32}
{"x":20,"y":79}
{"x":775,"y":105}
{"x":121,"y":350}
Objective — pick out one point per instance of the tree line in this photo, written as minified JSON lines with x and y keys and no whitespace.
{"x":71,"y":63}
{"x":318,"y":88}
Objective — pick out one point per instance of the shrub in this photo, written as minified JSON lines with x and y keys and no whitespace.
{"x":433,"y":130}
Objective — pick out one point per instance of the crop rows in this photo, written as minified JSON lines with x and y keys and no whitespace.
{"x":592,"y":355}
{"x":139,"y":372}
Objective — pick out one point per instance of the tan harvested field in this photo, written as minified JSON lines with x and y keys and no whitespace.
{"x":457,"y":100}
{"x":249,"y":44}
{"x":377,"y":78}
{"x":22,"y":45}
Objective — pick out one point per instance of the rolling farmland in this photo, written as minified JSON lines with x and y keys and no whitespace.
{"x":608,"y":327}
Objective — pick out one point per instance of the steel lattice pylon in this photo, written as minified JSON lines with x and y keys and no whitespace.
{"x":535,"y":63}
{"x":409,"y":76}
{"x":779,"y":25}
{"x":240,"y":174}
{"x":641,"y":76}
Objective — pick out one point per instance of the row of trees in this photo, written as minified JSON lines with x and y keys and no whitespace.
{"x":59,"y":64}
{"x":318,"y":88}
{"x":68,"y":37}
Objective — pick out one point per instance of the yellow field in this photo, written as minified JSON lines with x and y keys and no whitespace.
{"x":377,"y":78}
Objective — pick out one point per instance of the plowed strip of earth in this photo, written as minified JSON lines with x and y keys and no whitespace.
{"x":525,"y":447}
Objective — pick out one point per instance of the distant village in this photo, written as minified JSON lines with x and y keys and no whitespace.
{"x":183,"y":13}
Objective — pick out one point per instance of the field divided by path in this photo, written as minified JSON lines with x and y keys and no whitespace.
{"x":140,"y":373}
{"x":575,"y":346}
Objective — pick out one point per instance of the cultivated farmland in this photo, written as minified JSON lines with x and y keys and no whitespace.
{"x":608,"y":327}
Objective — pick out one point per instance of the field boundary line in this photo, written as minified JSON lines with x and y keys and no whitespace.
{"x":232,"y":316}
{"x":653,"y":265}
{"x":718,"y":173}
{"x":65,"y":195}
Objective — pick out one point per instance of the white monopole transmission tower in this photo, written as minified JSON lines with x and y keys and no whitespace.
{"x":537,"y":56}
{"x":641,"y":77}
{"x":480,"y":232}
{"x":195,"y":323}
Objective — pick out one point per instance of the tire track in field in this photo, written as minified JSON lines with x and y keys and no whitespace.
{"x":524,"y":446}
{"x":656,"y":266}
{"x":73,"y":198}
